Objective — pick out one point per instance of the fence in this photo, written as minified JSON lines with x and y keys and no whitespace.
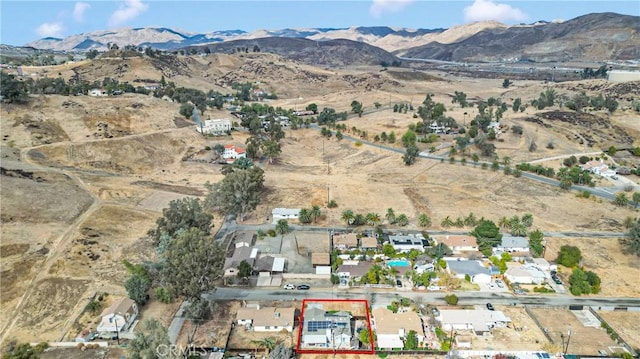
{"x":535,"y":320}
{"x":305,"y":276}
{"x":613,"y":332}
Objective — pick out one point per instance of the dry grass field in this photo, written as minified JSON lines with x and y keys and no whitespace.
{"x":77,"y":201}
{"x":626,"y":324}
{"x":584,"y":340}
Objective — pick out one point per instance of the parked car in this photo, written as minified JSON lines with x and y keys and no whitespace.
{"x":289,"y":286}
{"x":490,"y":306}
{"x":303,"y":287}
{"x":499,"y":283}
{"x":433,"y":288}
{"x":557,"y":280}
{"x":435,"y":311}
{"x":399,"y":283}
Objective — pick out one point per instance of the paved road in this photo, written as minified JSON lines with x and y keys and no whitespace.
{"x":383,"y":297}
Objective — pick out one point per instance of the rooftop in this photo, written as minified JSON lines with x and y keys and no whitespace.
{"x":453,"y":241}
{"x":388,"y":322}
{"x":320,"y":259}
{"x":120,"y":306}
{"x":513,"y":242}
{"x":358,"y":270}
{"x":268,"y":316}
{"x":345,"y":240}
{"x":467,"y":267}
{"x":406,"y":240}
{"x":368,"y":242}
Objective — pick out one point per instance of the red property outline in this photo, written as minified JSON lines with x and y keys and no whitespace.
{"x":329,"y":351}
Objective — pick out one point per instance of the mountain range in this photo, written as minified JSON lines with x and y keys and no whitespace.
{"x":596,"y":37}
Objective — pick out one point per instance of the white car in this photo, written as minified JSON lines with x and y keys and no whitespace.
{"x":433,"y":288}
{"x":500,"y":283}
{"x":289,"y":286}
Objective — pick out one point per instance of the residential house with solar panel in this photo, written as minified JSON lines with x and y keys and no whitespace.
{"x":322,"y":329}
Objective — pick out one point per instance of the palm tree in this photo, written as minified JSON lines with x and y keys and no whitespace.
{"x":282,"y":226}
{"x":506,"y":160}
{"x":504,"y":223}
{"x":304,"y":216}
{"x":424,"y":220}
{"x":373,"y":219}
{"x":359,"y":219}
{"x":471,"y":220}
{"x":446,"y":222}
{"x":348,"y":216}
{"x":315,"y":213}
{"x":459,"y":222}
{"x":402,"y":220}
{"x":518,"y":229}
{"x":391,"y":216}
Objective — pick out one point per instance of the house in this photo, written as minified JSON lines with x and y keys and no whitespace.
{"x":479,"y":321}
{"x":243,"y":251}
{"x":598,"y":168}
{"x":270,"y":264}
{"x":524,"y":274}
{"x":320,"y":259}
{"x":368,"y":243}
{"x":285,"y":213}
{"x":321,"y":329}
{"x":268,"y":319}
{"x":512,"y":244}
{"x":232,"y":153}
{"x":458,"y":243}
{"x":345,"y":241}
{"x":214,"y":127}
{"x":405,"y":243}
{"x":437,"y":128}
{"x":392,"y":328}
{"x":421,"y":268}
{"x":353,"y":269}
{"x":543,"y":264}
{"x":474,"y":269}
{"x":118,"y":317}
{"x":97,"y":92}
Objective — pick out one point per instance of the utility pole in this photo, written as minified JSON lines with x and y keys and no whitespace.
{"x":115,"y":319}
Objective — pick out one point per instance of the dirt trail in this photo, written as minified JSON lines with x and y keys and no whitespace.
{"x":58,"y":246}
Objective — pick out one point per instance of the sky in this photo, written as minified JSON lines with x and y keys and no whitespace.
{"x":23,"y":21}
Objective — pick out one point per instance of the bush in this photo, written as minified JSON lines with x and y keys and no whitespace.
{"x":569,"y":256}
{"x":451,"y":299}
{"x":332,"y":204}
{"x":271,"y":233}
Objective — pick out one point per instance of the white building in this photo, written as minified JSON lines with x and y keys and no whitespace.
{"x":623,"y":76}
{"x":215,"y":127}
{"x":118,"y":317}
{"x":97,"y":92}
{"x":405,"y":243}
{"x":512,"y":244}
{"x":285,"y":213}
{"x":269,"y":319}
{"x":479,"y":321}
{"x":524,"y":274}
{"x":232,"y":153}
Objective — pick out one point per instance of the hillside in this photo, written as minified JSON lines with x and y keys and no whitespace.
{"x":331,"y":53}
{"x":595,"y":37}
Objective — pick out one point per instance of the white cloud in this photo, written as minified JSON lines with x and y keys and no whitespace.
{"x":127,"y":11}
{"x":50,"y":29}
{"x":381,"y":6}
{"x":482,"y":10}
{"x":79,"y":9}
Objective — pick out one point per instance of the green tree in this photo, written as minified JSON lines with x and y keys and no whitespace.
{"x":24,"y":351}
{"x":391,"y":216}
{"x":312,"y":107}
{"x":238,"y":192}
{"x":424,"y":220}
{"x":181,"y":214}
{"x":636,"y":199}
{"x":516,"y":104}
{"x":402,"y":220}
{"x":192,"y":263}
{"x":315,"y":212}
{"x":506,"y":83}
{"x":348,"y":217}
{"x":12,"y":90}
{"x":569,"y":256}
{"x":621,"y":199}
{"x":137,"y":287}
{"x":271,"y":149}
{"x":373,"y":219}
{"x":527,"y":220}
{"x":631,"y":242}
{"x":461,"y":98}
{"x":487,"y":235}
{"x":446,"y":222}
{"x":356,"y":107}
{"x":364,"y":336}
{"x":304,"y":216}
{"x":388,"y":250}
{"x":579,"y":283}
{"x":244,"y":270}
{"x":409,"y":138}
{"x":146,"y":342}
{"x":186,"y":109}
{"x":536,"y":243}
{"x":410,"y":155}
{"x":282,"y":226}
{"x":411,"y":341}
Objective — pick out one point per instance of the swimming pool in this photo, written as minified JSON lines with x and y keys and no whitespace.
{"x":398,"y":263}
